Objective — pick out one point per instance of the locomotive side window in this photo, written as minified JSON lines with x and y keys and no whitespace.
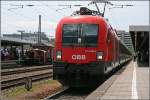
{"x":108,"y":36}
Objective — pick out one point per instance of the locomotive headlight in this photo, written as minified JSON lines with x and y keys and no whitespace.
{"x":99,"y":55}
{"x":58,"y":55}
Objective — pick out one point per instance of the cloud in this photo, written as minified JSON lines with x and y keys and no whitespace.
{"x":119,"y":18}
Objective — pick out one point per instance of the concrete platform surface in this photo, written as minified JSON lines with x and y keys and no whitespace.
{"x":132,"y":83}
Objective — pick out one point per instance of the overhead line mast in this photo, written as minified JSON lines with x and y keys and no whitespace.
{"x":39,"y":30}
{"x":105,"y":4}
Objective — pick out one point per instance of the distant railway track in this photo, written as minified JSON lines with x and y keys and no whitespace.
{"x":24,"y":69}
{"x":17,"y":76}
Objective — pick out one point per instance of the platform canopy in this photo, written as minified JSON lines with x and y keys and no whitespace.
{"x":15,"y":41}
{"x":140,"y":40}
{"x":139,"y":35}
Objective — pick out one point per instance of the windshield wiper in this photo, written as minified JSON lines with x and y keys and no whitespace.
{"x":71,"y":45}
{"x":89,"y":45}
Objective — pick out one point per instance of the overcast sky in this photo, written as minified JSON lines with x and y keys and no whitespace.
{"x":14,"y":18}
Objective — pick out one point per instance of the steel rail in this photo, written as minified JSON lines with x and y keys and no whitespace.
{"x":24,"y":69}
{"x":21,"y":81}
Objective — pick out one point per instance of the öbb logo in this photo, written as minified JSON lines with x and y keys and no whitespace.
{"x":78,"y":57}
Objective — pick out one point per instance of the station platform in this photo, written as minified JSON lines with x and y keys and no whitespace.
{"x":132,"y":83}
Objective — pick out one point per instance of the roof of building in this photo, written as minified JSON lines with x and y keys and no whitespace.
{"x":17,"y":41}
{"x":139,"y":28}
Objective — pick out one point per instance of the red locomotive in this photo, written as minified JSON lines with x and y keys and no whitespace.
{"x":86,"y":49}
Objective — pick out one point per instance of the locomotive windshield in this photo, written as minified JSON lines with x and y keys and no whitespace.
{"x":80,"y":34}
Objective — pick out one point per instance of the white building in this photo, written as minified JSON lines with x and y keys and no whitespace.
{"x":126,"y":38}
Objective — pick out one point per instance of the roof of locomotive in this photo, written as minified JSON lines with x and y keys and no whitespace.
{"x":83,"y":19}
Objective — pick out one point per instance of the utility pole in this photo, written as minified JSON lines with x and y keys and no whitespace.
{"x":21,"y":35}
{"x":39,"y":30}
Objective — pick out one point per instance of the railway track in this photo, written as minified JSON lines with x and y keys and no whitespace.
{"x":57,"y":94}
{"x":71,"y":94}
{"x":83,"y":93}
{"x":24,"y":69}
{"x":17,"y":76}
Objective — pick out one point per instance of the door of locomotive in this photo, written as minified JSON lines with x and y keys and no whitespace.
{"x":114,"y":50}
{"x":110,"y":39}
{"x":114,"y":47}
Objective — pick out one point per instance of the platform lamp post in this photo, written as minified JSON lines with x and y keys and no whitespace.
{"x":21,"y":35}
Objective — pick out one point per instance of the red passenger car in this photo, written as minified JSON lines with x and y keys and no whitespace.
{"x":86,"y":49}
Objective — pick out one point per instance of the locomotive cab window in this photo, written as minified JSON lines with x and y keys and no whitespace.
{"x":70,"y":33}
{"x":90,"y":32}
{"x":80,"y":34}
{"x":70,"y":30}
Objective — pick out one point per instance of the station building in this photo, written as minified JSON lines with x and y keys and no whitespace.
{"x":126,"y":38}
{"x":14,"y":43}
